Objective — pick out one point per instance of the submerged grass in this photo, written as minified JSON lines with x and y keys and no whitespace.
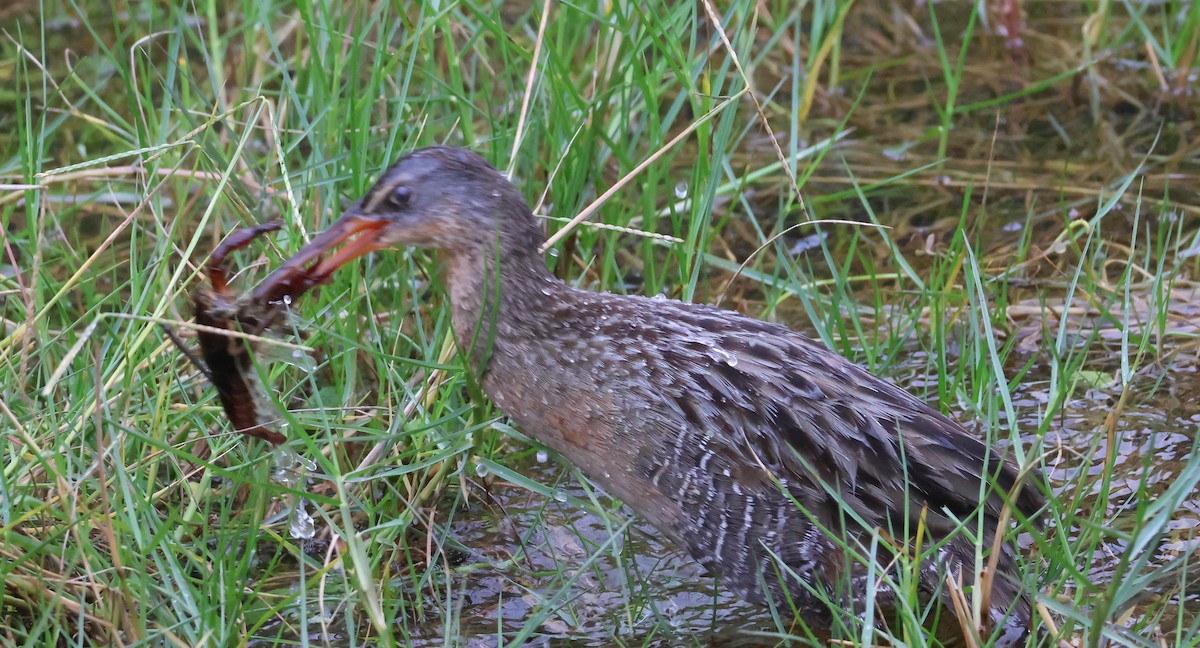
{"x":1028,"y":257}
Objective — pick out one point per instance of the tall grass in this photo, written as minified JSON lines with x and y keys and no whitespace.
{"x":131,"y":141}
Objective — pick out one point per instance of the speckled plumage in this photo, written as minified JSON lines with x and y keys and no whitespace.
{"x":710,"y":424}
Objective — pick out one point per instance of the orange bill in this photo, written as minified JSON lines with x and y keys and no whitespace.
{"x":358,"y":234}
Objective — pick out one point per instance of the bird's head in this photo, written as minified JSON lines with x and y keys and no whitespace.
{"x":445,"y":198}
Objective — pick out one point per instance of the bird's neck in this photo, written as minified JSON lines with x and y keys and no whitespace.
{"x":492,"y":303}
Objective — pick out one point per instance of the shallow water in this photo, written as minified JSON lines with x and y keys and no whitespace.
{"x":638,"y":588}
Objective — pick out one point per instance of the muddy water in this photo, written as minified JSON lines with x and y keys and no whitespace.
{"x":637,"y":588}
{"x":511,"y":554}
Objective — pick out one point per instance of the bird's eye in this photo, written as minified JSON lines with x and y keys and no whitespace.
{"x":400,"y":196}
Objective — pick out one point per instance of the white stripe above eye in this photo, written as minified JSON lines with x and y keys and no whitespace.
{"x":380,"y":193}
